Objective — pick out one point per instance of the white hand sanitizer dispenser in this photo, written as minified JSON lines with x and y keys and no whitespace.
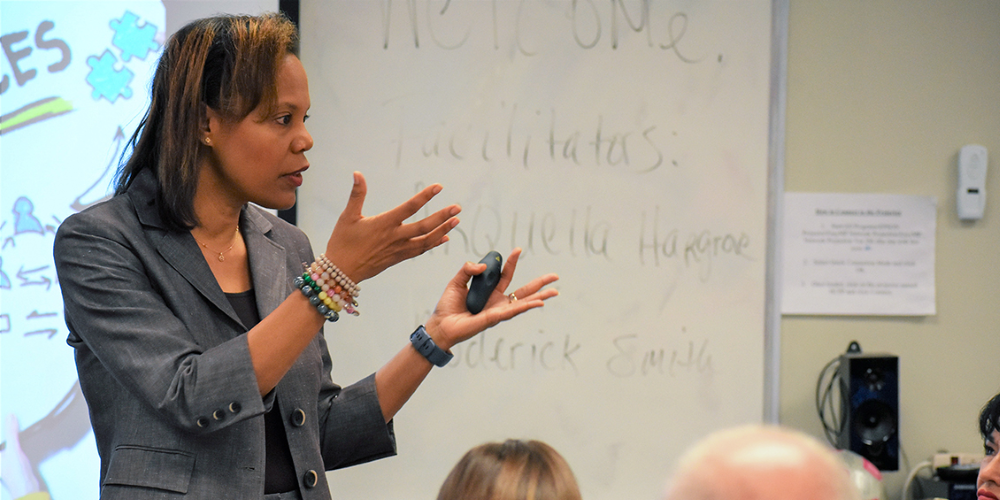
{"x":971,"y":182}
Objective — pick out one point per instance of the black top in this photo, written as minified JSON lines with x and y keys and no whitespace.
{"x":279,"y":471}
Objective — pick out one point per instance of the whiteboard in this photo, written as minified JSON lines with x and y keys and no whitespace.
{"x":622,"y":145}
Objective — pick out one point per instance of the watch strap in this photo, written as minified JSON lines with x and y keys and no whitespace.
{"x":425,"y":345}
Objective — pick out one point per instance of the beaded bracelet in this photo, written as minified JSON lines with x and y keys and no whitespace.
{"x":352,"y":288}
{"x":328,"y":288}
{"x":331,"y":298}
{"x":310,"y":294}
{"x":327,"y":283}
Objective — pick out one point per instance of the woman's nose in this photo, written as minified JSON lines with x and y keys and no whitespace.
{"x":304,"y":142}
{"x":989,"y":471}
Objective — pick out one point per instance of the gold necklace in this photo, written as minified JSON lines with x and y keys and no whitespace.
{"x":222,"y":256}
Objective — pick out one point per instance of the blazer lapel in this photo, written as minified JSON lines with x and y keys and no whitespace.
{"x":267,"y":259}
{"x":178,"y":248}
{"x":267,"y":262}
{"x":181,"y":251}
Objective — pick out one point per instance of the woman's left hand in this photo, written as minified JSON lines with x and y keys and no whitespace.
{"x":452,"y":322}
{"x":363,"y":247}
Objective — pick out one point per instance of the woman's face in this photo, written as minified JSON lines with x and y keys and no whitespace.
{"x":989,"y":471}
{"x":261,"y":158}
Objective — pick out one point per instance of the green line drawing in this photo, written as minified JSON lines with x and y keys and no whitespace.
{"x":38,"y":111}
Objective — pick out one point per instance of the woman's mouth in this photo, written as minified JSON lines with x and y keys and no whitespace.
{"x":296,"y":177}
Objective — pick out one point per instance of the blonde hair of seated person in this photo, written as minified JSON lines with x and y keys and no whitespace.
{"x":511,"y":470}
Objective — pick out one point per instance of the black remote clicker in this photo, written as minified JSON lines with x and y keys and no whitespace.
{"x":484,"y":283}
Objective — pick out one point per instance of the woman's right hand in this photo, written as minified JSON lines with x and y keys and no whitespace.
{"x":363,"y":247}
{"x":452,"y":323}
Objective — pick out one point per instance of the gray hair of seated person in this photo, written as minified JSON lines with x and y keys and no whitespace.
{"x":753,"y":462}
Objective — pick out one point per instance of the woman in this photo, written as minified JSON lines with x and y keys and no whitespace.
{"x":988,"y":482}
{"x":512,"y":470}
{"x":205,"y":368}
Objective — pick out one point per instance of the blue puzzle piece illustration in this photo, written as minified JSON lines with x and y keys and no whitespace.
{"x":131,"y":39}
{"x":107,"y":81}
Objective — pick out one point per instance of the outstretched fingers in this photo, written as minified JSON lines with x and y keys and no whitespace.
{"x":430,"y":231}
{"x":411,"y":206}
{"x":510,"y":308}
{"x":434,"y":226}
{"x":535,"y":289}
{"x":356,"y":201}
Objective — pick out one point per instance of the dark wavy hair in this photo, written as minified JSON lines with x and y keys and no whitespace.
{"x":512,"y":470}
{"x":989,"y":417}
{"x":227,"y":63}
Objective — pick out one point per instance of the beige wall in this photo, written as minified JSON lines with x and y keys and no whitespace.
{"x":881,"y":96}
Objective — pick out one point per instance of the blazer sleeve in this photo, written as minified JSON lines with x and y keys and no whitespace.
{"x":127,"y":318}
{"x":352,"y":429}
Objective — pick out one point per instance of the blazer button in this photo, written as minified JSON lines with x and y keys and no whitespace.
{"x":234,"y":407}
{"x":218,"y":415}
{"x":298,"y":418}
{"x":201,"y":422}
{"x":310,"y":479}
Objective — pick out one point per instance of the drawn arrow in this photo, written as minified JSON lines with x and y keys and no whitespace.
{"x":25,"y":281}
{"x":78,"y":204}
{"x":50,"y":331}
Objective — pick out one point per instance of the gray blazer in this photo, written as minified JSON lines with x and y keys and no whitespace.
{"x":166,"y":370}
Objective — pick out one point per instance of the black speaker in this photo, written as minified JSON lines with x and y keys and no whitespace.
{"x":869,"y":426}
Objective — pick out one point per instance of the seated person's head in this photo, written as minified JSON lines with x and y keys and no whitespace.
{"x":989,"y":469}
{"x":512,"y":470}
{"x":761,"y":463}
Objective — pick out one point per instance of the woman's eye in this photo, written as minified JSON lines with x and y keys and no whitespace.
{"x":285,"y":119}
{"x":989,"y":450}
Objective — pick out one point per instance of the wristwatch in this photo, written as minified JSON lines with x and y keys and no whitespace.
{"x":425,"y":345}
